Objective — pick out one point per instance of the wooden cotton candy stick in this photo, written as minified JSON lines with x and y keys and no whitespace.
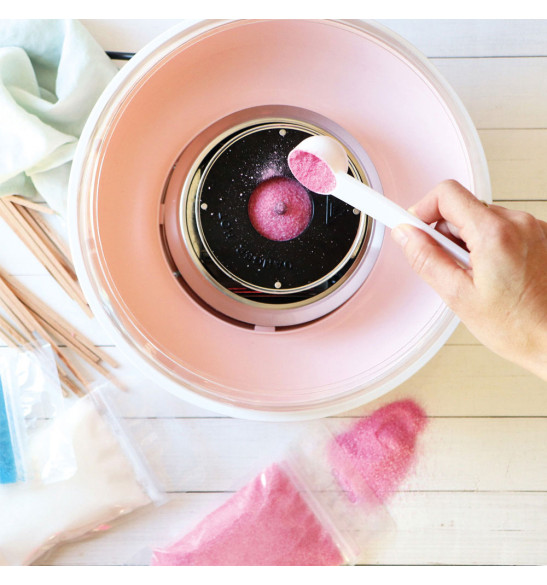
{"x":43,"y":249}
{"x":30,"y":204}
{"x":57,"y":325}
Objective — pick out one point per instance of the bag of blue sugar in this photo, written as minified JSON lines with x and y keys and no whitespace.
{"x":10,"y":471}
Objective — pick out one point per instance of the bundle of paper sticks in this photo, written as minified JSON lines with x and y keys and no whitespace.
{"x":27,"y":318}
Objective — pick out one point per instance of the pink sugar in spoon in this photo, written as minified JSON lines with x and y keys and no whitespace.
{"x":320,"y":163}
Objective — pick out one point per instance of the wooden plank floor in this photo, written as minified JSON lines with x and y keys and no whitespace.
{"x":479,"y":492}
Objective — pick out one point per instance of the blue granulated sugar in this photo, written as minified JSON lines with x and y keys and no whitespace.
{"x":8,"y":469}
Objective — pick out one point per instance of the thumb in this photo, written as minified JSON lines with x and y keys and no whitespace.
{"x":433,"y":264}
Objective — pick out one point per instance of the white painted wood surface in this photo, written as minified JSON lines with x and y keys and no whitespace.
{"x":479,"y":493}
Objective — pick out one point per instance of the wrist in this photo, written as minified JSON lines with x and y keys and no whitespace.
{"x":535,"y":359}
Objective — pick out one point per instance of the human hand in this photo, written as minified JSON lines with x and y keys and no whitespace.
{"x":502,"y":297}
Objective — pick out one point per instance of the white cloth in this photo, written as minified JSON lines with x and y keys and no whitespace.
{"x":51,"y":74}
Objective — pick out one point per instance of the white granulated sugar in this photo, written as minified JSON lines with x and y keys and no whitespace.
{"x":35,"y":516}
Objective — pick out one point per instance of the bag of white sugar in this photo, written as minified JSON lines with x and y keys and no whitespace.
{"x":111,"y":480}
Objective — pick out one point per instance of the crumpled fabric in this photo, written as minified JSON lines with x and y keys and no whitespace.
{"x":51,"y":74}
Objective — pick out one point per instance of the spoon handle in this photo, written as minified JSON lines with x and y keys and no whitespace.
{"x":390,"y":214}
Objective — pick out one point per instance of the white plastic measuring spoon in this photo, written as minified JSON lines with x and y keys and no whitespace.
{"x":320,"y":163}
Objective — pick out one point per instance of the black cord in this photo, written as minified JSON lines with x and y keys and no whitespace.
{"x":119,"y":56}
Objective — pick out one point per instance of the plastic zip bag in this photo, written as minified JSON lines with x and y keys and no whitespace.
{"x":31,"y":396}
{"x":322,"y":504}
{"x":285,"y":516}
{"x":111,"y":481}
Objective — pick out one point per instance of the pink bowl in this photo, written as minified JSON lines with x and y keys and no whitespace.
{"x":363,"y":78}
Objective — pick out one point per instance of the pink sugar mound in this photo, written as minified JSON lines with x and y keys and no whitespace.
{"x":379,"y":450}
{"x":314,"y":173}
{"x":280,"y":209}
{"x":265,"y":523}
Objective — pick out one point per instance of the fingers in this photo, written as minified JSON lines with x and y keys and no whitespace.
{"x":434,"y":265}
{"x":450,"y":231}
{"x":452,"y":202}
{"x":459,"y":214}
{"x":486,"y":231}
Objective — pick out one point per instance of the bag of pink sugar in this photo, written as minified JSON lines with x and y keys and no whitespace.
{"x":323,"y":504}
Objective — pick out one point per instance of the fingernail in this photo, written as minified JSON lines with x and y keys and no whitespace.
{"x":412,"y":210}
{"x":399,"y":235}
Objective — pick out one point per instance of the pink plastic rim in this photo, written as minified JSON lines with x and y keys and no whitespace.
{"x":196,"y":74}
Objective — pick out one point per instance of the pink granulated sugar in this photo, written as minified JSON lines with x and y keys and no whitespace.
{"x":280,"y":209}
{"x":314,"y":173}
{"x":266,"y":523}
{"x":379,"y":451}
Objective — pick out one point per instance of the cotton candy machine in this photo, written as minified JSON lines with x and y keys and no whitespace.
{"x":219,"y":253}
{"x":167,"y":194}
